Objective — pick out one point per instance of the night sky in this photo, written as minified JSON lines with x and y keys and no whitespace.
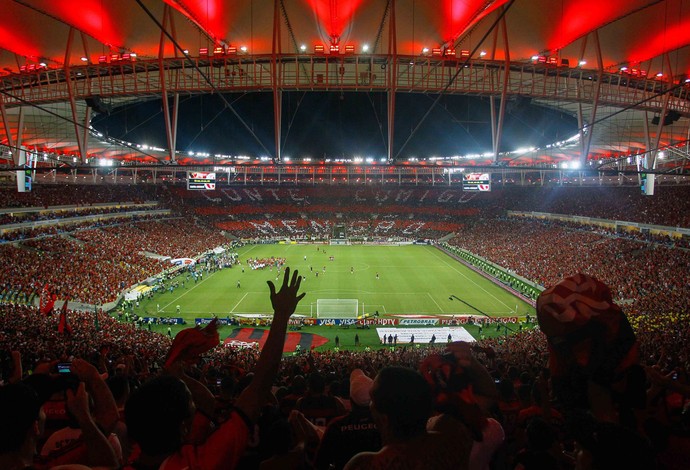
{"x":338,"y":125}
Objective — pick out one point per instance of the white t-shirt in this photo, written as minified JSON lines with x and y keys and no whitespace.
{"x":483,"y":452}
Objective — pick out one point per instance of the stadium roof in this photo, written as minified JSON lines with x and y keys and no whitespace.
{"x":608,"y":68}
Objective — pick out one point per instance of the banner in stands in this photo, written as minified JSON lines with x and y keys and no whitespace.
{"x":183,"y":261}
{"x":356,"y":322}
{"x":206,"y":321}
{"x":419,"y":321}
{"x":201,"y":180}
{"x":299,"y":321}
{"x":464,"y":319}
{"x":164,"y":320}
{"x":336,"y":321}
{"x":241,"y":344}
{"x":402,"y":336}
{"x":476,"y":182}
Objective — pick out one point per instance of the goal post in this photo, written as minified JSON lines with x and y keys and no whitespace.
{"x":336,"y":308}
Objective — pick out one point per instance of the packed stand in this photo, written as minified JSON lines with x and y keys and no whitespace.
{"x":48,"y":195}
{"x":95,"y":265}
{"x":527,"y":400}
{"x":646,"y":277}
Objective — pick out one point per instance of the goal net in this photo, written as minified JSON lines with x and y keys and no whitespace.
{"x":336,"y":308}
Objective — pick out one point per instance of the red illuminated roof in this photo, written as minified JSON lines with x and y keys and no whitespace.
{"x":648,"y":35}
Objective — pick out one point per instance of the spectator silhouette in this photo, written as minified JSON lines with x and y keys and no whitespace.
{"x":161,"y":413}
{"x":401,"y":405}
{"x":352,"y":433}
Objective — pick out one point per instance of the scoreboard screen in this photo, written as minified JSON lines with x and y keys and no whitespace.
{"x":476,"y":182}
{"x":201,"y":180}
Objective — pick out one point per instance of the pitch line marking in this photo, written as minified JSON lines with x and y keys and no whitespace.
{"x":470,"y":280}
{"x":239,"y":302}
{"x":434,"y":301}
{"x":188,"y":291}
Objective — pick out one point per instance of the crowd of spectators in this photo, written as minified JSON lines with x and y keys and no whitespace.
{"x":94,"y":265}
{"x":321,"y":227}
{"x":518,"y":398}
{"x":668,"y":207}
{"x":65,"y":214}
{"x":496,"y":404}
{"x":47,"y":195}
{"x":371,"y":212}
{"x":648,"y":278}
{"x":65,"y":226}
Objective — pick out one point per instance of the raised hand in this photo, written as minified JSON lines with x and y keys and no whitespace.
{"x":84,"y":370}
{"x":252,"y":399}
{"x":286,"y":299}
{"x":78,"y":403}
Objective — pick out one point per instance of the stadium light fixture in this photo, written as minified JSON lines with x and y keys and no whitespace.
{"x":84,"y":59}
{"x":244,"y":48}
{"x":482,"y":54}
{"x":425,"y":50}
{"x":365,"y":48}
{"x":303,"y":47}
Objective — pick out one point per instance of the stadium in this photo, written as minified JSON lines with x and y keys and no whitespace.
{"x":320,"y":219}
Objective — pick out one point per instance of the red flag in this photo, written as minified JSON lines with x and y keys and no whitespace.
{"x":192,"y":342}
{"x":63,"y":326}
{"x":47,"y":301}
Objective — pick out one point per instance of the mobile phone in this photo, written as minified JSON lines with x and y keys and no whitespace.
{"x":64,"y":367}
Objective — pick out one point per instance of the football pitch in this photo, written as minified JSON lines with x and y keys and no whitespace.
{"x":390,"y":280}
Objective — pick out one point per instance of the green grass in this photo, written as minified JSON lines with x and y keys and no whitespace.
{"x":412,"y":280}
